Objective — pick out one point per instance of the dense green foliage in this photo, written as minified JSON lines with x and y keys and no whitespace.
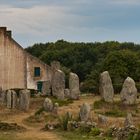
{"x":88,"y":60}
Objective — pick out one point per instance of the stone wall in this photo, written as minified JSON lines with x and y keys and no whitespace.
{"x":17,"y":66}
{"x":45,"y":72}
{"x":12,"y":62}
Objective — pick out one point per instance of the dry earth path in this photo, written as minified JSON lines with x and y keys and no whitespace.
{"x":35,"y":132}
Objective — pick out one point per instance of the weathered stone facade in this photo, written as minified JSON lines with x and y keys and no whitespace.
{"x":17,"y":67}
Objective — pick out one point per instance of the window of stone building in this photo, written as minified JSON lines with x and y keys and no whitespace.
{"x":37,"y":71}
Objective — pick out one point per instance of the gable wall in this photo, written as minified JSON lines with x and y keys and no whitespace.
{"x":12,"y":63}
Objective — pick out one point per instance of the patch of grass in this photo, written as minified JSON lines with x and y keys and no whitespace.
{"x":115,"y":109}
{"x":115,"y":113}
{"x":39,"y":111}
{"x":99,"y":104}
{"x":51,"y":118}
{"x":7,"y":136}
{"x":95,"y":131}
{"x":64,"y":102}
{"x":74,"y":135}
{"x":34,"y":119}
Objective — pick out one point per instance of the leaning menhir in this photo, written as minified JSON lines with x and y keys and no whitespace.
{"x":106,"y":88}
{"x":129,"y":91}
{"x":58,"y":84}
{"x":24,"y":100}
{"x":74,"y":86}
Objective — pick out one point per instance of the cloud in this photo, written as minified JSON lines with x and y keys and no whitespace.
{"x":127,"y":2}
{"x":75,"y":20}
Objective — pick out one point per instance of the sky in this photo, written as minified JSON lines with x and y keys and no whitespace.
{"x":35,"y":21}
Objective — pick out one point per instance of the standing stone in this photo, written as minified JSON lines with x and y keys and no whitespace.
{"x":11,"y":99}
{"x":67,"y":93}
{"x":84,"y":112}
{"x":105,"y":88}
{"x":48,"y":105}
{"x":102,"y":119}
{"x":128,"y":121}
{"x":129,"y":92}
{"x":55,"y":109}
{"x":24,"y":100}
{"x":0,"y":92}
{"x":3,"y":97}
{"x":74,"y":86}
{"x":58,"y":84}
{"x":14,"y":99}
{"x":46,"y":88}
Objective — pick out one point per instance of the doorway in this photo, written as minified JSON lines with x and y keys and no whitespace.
{"x":39,"y":86}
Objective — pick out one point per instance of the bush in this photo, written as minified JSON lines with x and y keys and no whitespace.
{"x":95,"y":131}
{"x":117,"y":88}
{"x":134,"y":136}
{"x":138,"y":87}
{"x":39,"y":111}
{"x":64,"y":120}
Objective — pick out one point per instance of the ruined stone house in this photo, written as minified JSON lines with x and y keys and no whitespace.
{"x":19,"y":69}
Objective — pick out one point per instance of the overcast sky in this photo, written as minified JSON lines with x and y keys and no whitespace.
{"x":34,"y":21}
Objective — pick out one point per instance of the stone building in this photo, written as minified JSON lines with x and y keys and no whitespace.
{"x":19,"y":69}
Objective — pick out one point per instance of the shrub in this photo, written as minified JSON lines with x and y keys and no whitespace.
{"x":95,"y":131}
{"x":39,"y":111}
{"x":134,"y":136}
{"x":117,"y":88}
{"x":64,"y":120}
{"x":138,"y":86}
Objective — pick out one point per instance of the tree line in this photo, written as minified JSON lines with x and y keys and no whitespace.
{"x":88,"y":60}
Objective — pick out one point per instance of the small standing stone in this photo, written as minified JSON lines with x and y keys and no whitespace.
{"x":58,"y":84}
{"x":67,"y":93}
{"x":129,"y":92}
{"x":105,"y":88}
{"x":11,"y":99}
{"x":3,"y":97}
{"x":128,"y":121}
{"x":55,"y":109}
{"x":24,"y":100}
{"x":0,"y":91}
{"x":84,"y":112}
{"x":14,"y":99}
{"x":102,"y":119}
{"x":48,"y":105}
{"x":74,"y":86}
{"x":46,"y":88}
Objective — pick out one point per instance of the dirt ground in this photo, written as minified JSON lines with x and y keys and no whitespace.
{"x":34,"y":132}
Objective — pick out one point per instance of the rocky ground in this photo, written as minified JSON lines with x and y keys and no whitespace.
{"x":33,"y":130}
